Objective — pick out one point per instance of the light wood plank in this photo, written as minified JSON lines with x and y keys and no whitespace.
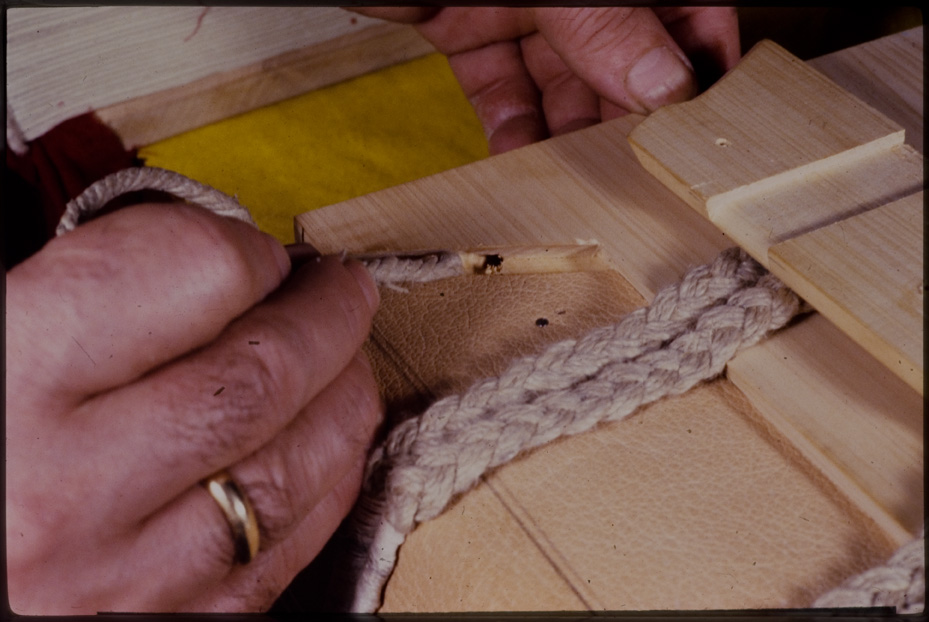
{"x":798,"y":154}
{"x":866,"y":274}
{"x":886,"y":74}
{"x":586,"y":186}
{"x":859,"y":423}
{"x":770,"y":116}
{"x":63,"y":61}
{"x":152,"y":117}
{"x":581,"y":188}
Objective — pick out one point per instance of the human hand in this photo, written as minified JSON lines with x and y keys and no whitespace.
{"x":530,"y":73}
{"x":147,"y":350}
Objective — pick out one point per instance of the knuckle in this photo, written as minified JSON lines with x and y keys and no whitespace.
{"x":228,"y":400}
{"x":218,"y":246}
{"x":593,"y":30}
{"x":76,"y":268}
{"x":268,"y":488}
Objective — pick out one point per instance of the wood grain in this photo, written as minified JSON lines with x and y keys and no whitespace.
{"x":886,"y":74}
{"x":63,"y":61}
{"x":587,"y":187}
{"x":770,"y":121}
{"x":797,"y":153}
{"x":865,"y":274}
{"x":152,"y":117}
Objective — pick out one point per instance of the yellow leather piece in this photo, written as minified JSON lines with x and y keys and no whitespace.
{"x":349,"y":139}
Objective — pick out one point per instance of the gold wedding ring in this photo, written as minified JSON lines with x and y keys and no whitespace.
{"x":239,"y":514}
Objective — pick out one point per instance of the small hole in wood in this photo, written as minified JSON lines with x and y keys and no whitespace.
{"x":722,"y":142}
{"x":492,"y":264}
{"x":541,"y":322}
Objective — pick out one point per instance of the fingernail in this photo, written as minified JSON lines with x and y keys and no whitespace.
{"x":368,"y":286}
{"x":658,"y":78}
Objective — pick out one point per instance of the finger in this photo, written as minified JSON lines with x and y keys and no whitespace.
{"x":623,"y":53}
{"x":122,"y":294}
{"x":306,"y":478}
{"x":301,"y":253}
{"x":256,"y":587}
{"x":708,"y":35}
{"x":568,"y":103}
{"x":502,"y":93}
{"x":291,"y":474}
{"x":210,"y":409}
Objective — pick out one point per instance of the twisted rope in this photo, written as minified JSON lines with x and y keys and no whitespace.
{"x":101,"y":192}
{"x":391,"y":270}
{"x":388,"y":270}
{"x":567,"y":389}
{"x":687,"y":335}
{"x":900,"y":583}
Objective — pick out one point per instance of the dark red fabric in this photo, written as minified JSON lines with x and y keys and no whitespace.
{"x":58,"y":166}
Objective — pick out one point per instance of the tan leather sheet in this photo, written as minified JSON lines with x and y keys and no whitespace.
{"x":690,"y":503}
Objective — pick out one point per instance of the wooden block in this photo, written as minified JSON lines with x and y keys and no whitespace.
{"x":865,"y":273}
{"x":155,"y":71}
{"x":795,"y":153}
{"x":817,"y":396}
{"x":768,"y":122}
{"x":886,"y":74}
{"x":690,"y":503}
{"x":152,"y":117}
{"x":860,"y":424}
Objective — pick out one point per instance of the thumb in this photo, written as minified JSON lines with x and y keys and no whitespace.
{"x":624,"y":54}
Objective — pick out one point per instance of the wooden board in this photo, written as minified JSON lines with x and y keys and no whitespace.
{"x":887,"y":75}
{"x":156,"y":71}
{"x":767,"y":123}
{"x":153,"y":117}
{"x":861,"y":272}
{"x":775,"y":150}
{"x":566,"y":191}
{"x":689,"y":503}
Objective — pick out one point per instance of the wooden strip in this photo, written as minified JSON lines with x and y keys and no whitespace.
{"x":865,"y":274}
{"x":709,"y":149}
{"x":855,"y":420}
{"x":518,"y":259}
{"x":586,"y":186}
{"x":149,"y":118}
{"x":797,"y":154}
{"x":803,"y":203}
{"x":63,"y":61}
